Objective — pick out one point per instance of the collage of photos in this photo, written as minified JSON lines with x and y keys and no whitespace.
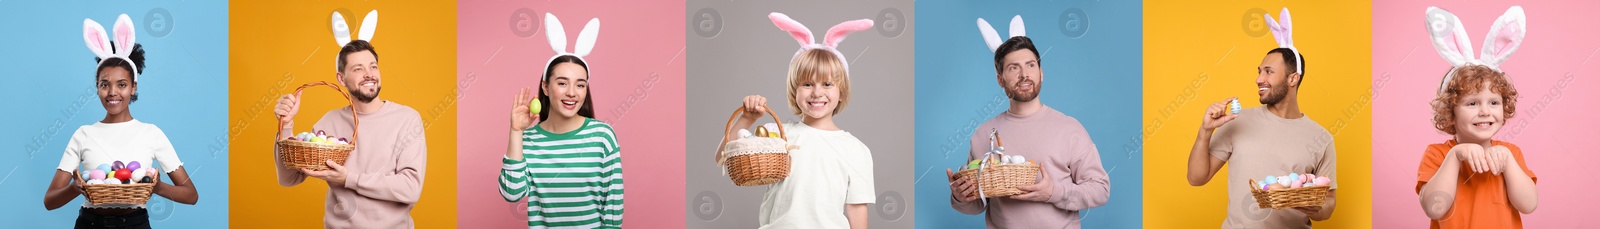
{"x":843,"y":114}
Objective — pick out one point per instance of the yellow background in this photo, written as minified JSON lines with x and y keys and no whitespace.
{"x":1198,"y":52}
{"x":277,"y":46}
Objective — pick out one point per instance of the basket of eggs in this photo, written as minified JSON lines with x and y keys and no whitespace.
{"x":1294,"y":190}
{"x":1000,"y":177}
{"x":309,"y":150}
{"x":1000,"y":174}
{"x":755,"y":159}
{"x":118,"y":183}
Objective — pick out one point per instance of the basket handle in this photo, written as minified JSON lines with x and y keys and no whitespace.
{"x":355,"y":121}
{"x":735,"y":117}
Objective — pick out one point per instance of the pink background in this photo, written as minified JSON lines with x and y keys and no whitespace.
{"x":637,"y":40}
{"x":1554,"y":136}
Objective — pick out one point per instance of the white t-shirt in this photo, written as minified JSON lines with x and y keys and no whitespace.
{"x":104,"y":143}
{"x":827,"y":170}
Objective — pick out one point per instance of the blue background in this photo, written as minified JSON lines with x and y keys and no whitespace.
{"x":48,"y":93}
{"x":1094,"y":77}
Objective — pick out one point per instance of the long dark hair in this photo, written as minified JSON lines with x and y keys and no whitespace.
{"x":587,"y":110}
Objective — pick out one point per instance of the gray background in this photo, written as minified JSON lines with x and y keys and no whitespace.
{"x":735,"y":51}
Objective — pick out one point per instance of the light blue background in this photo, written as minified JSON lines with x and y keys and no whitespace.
{"x":1095,"y":78}
{"x":48,"y":93}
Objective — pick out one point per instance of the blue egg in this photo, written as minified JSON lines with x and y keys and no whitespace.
{"x":1270,"y":179}
{"x":1294,"y":176}
{"x":104,"y":167}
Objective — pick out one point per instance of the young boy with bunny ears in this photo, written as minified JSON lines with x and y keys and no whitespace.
{"x":1271,"y":140}
{"x":1467,"y":182}
{"x":830,"y":181}
{"x":382,"y":179}
{"x":1072,"y":178}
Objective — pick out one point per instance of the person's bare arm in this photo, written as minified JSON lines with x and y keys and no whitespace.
{"x":181,"y":190}
{"x":63,"y":188}
{"x":1438,"y":195}
{"x":857,"y":215}
{"x":1203,"y":166}
{"x":1520,"y":190}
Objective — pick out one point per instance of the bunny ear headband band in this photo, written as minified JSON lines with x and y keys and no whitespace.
{"x":341,"y":30}
{"x":100,"y":43}
{"x":558,"y":39}
{"x":1450,"y":39}
{"x":830,"y":41}
{"x":993,"y":38}
{"x":1283,"y":33}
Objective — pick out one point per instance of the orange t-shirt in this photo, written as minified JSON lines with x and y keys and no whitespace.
{"x":1481,"y":199}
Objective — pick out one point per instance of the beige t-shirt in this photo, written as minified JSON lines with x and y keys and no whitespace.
{"x":1260,"y":144}
{"x":827,"y":169}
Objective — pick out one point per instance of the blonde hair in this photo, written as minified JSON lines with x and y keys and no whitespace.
{"x":813,"y":64}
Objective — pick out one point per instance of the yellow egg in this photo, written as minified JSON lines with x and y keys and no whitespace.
{"x":535,"y":106}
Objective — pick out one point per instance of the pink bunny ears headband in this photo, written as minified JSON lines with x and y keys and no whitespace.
{"x":95,"y":36}
{"x":1283,"y":33}
{"x":341,"y":30}
{"x":830,"y":41}
{"x":558,"y":39}
{"x":1450,"y":39}
{"x":993,"y":38}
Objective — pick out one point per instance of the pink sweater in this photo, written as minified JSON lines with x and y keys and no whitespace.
{"x":383,"y":177}
{"x":1063,"y":149}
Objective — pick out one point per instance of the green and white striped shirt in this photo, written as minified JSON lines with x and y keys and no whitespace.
{"x":571,"y":180}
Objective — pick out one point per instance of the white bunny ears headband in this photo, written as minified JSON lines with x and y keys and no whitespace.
{"x":830,"y":41}
{"x":993,"y":38}
{"x":341,"y":29}
{"x":100,"y":43}
{"x":1283,"y":33}
{"x":558,"y":39}
{"x":1450,"y":39}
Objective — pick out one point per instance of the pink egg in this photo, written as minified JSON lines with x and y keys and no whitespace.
{"x":1322,"y":181}
{"x":97,"y":175}
{"x":1295,"y":185}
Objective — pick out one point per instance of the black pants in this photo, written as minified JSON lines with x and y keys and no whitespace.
{"x":138,"y":219}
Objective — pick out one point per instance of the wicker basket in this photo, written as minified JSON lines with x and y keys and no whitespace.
{"x":755,"y":161}
{"x":132,"y":194}
{"x":1002,"y":179}
{"x":307,"y":155}
{"x":1289,"y":198}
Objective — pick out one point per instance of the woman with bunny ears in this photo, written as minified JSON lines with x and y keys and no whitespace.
{"x":1473,"y":181}
{"x":117,"y":137}
{"x":830,"y":181}
{"x":567,"y":165}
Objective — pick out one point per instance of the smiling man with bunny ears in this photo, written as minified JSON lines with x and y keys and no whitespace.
{"x":1072,"y":178}
{"x":382,"y":179}
{"x":1274,"y":140}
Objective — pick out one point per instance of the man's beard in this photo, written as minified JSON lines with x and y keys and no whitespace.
{"x":1275,"y":94}
{"x":1023,"y":97}
{"x":363,"y":97}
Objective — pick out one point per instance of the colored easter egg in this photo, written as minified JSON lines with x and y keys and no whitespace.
{"x":95,"y":182}
{"x":1274,"y":186}
{"x":117,"y":165}
{"x":146,"y":180}
{"x":1294,"y":176}
{"x":104,"y":168}
{"x":535,"y":106}
{"x":761,"y":131}
{"x":1296,"y":185}
{"x":1235,"y":107}
{"x":1270,"y":180}
{"x":133,"y":166}
{"x":1323,"y":181}
{"x":97,"y":175}
{"x":112,"y":180}
{"x":322,"y":133}
{"x":124,"y":174}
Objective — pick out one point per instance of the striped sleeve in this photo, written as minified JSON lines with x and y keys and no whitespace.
{"x":513,"y":179}
{"x":611,"y":169}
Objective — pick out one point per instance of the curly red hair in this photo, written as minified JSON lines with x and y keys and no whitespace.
{"x":1469,"y":80}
